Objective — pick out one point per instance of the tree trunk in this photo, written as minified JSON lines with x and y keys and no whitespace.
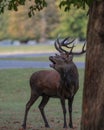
{"x":93,"y":96}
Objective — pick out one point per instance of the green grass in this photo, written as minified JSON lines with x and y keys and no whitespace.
{"x":32,"y":49}
{"x":44,"y":58}
{"x":15,"y":92}
{"x":27,"y":49}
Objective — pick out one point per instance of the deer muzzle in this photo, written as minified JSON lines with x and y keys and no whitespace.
{"x":51,"y":58}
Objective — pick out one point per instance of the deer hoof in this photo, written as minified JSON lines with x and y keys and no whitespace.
{"x":23,"y":127}
{"x":70,"y":125}
{"x":46,"y":125}
{"x":65,"y":126}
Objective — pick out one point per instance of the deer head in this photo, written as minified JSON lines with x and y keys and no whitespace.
{"x":65,"y":58}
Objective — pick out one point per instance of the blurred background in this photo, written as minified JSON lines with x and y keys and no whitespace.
{"x":17,"y":28}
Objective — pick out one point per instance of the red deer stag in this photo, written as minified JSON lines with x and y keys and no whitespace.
{"x":62,"y":82}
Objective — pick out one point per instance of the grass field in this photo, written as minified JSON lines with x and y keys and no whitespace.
{"x":44,"y":58}
{"x":27,"y":49}
{"x":15,"y":92}
{"x":32,"y":49}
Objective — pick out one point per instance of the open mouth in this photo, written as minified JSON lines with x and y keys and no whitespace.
{"x":53,"y":62}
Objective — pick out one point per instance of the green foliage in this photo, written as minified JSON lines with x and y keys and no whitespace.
{"x":67,"y":4}
{"x":38,"y":5}
{"x":72,"y":23}
{"x":89,"y":2}
{"x":76,"y":3}
{"x":10,"y":5}
{"x":17,"y":25}
{"x":44,"y":25}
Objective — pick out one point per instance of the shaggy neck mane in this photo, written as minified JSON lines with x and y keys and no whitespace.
{"x":68,"y":81}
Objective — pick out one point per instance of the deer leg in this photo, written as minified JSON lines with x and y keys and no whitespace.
{"x":64,"y":112}
{"x":70,"y":101}
{"x":33,"y":98}
{"x":41,"y":108}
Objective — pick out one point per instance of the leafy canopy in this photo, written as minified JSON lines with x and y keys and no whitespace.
{"x":38,"y":5}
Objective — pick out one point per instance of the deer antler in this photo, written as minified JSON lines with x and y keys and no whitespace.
{"x":57,"y":47}
{"x":65,"y":43}
{"x":77,"y":53}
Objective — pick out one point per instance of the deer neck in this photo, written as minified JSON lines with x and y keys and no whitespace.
{"x":69,"y":81}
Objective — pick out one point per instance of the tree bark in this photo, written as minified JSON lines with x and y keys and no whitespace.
{"x":93,"y":96}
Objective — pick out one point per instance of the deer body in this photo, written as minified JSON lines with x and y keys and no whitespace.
{"x":62,"y":83}
{"x":51,"y":83}
{"x":45,"y":82}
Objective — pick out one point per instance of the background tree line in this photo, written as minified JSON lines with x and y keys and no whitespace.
{"x":46,"y":24}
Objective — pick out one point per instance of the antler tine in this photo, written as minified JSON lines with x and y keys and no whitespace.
{"x":72,"y":48}
{"x":61,"y":47}
{"x":56,"y":46}
{"x":78,"y":53}
{"x":83,"y":49}
{"x":70,"y":43}
{"x":64,"y":43}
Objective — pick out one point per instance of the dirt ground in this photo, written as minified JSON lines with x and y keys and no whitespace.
{"x":55,"y":125}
